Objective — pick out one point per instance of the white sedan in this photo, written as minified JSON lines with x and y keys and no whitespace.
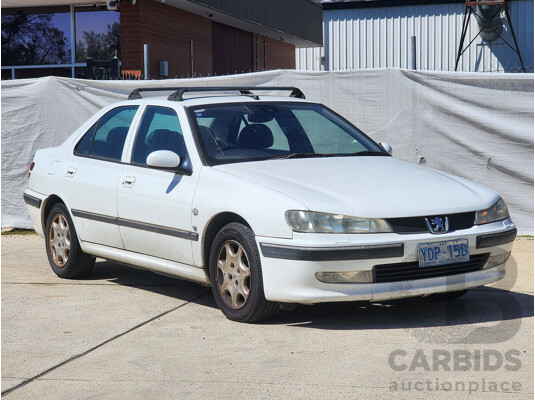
{"x":268,"y":199}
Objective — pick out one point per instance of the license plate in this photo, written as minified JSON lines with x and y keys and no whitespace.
{"x":441,"y":253}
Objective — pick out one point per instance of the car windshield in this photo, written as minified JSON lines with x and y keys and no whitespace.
{"x":262,"y":131}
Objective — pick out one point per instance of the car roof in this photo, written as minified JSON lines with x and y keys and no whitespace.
{"x":207,"y":100}
{"x":197,"y":101}
{"x":205,"y":95}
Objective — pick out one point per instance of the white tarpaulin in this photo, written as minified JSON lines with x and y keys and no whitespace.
{"x":475,"y":125}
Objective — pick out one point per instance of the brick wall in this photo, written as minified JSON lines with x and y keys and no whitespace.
{"x":168,"y":31}
{"x":279,"y":55}
{"x":232,"y":50}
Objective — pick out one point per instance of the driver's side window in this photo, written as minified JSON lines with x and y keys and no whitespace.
{"x":159,"y":130}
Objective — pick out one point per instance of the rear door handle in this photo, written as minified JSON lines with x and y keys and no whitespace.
{"x":70,"y":172}
{"x":128,"y":181}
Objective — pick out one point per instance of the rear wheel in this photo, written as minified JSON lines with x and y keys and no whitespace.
{"x":236,"y":275}
{"x":62,"y":247}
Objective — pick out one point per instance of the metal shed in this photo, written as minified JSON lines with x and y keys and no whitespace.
{"x":377,"y":34}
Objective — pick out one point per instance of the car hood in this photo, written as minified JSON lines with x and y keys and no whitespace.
{"x":368,"y":186}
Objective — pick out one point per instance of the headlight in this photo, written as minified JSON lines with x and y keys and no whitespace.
{"x":315,"y":222}
{"x":497,"y":212}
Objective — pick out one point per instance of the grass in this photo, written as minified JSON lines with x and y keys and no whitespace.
{"x":19,"y":232}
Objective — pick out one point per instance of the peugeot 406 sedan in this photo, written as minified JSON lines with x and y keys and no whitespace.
{"x":267,"y":199}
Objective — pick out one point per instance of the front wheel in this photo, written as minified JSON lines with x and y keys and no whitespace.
{"x":236,"y":275}
{"x":62,"y":247}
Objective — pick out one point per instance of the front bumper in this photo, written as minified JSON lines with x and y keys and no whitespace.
{"x":289,"y":267}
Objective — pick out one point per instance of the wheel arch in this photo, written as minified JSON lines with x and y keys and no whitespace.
{"x":49,"y":202}
{"x":213,"y":227}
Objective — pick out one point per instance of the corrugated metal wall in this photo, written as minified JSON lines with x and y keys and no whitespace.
{"x":380,"y":38}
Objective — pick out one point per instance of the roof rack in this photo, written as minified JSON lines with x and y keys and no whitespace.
{"x":244,"y":90}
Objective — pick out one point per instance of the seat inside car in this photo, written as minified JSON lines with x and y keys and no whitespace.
{"x":115,"y":142}
{"x":255,"y":136}
{"x":165,"y":139}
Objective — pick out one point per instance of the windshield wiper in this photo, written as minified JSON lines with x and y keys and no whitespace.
{"x":314,"y":155}
{"x":302,"y":155}
{"x":365,"y":153}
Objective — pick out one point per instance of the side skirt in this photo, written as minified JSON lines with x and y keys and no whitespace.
{"x":155,"y":264}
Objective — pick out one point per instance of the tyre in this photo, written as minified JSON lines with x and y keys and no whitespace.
{"x":236,"y":275}
{"x":62,"y":247}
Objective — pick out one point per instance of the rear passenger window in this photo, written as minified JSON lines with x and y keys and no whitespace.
{"x":82,"y":148}
{"x":105,"y":139}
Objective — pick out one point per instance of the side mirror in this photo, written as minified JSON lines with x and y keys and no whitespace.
{"x":163,"y":159}
{"x":387,"y":147}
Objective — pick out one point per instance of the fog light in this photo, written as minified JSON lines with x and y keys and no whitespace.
{"x":494,"y":261}
{"x":345,"y":277}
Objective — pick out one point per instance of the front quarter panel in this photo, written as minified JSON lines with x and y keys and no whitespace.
{"x":262,"y":208}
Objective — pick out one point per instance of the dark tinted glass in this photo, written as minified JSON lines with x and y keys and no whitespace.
{"x":259,"y":131}
{"x":82,"y":148}
{"x":106,"y":138}
{"x":97,"y":34}
{"x":159,"y":130}
{"x":33,"y":39}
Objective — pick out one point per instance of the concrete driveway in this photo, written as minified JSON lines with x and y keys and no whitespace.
{"x":131,"y":334}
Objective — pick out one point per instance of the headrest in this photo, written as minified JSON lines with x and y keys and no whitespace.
{"x":117,"y":135}
{"x":165,"y":139}
{"x":255,"y":136}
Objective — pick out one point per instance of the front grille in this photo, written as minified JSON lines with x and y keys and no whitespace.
{"x":417,"y":224}
{"x":411,"y":270}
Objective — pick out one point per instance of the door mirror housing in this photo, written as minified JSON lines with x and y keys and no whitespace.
{"x":387,"y":147}
{"x":169,"y":161}
{"x":163,"y":159}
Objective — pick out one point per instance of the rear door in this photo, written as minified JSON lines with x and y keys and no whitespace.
{"x":93,"y":175}
{"x":154,"y":205}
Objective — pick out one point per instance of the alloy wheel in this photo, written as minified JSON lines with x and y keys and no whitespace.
{"x":233,"y":274}
{"x":59,"y":240}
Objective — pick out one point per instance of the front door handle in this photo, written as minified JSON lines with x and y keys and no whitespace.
{"x":128,"y":181}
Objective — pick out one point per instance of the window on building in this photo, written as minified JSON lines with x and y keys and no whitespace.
{"x":36,"y":36}
{"x":38,"y":41}
{"x":97,"y":34}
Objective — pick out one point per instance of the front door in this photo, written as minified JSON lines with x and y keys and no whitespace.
{"x":155,"y":206}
